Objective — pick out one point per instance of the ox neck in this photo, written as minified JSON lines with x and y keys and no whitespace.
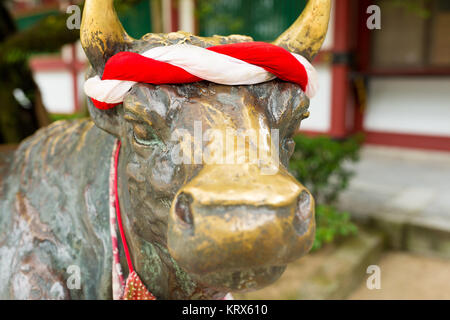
{"x":133,"y":289}
{"x":117,"y":207}
{"x":149,"y":274}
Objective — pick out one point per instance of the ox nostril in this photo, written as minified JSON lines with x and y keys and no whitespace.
{"x":302,"y":217}
{"x":183,"y":210}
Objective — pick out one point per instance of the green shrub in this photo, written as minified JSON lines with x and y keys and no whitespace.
{"x":319,"y":163}
{"x":58,"y":116}
{"x":331,"y":225}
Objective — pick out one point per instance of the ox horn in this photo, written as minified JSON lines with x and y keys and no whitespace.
{"x":102,"y":34}
{"x":306,"y":35}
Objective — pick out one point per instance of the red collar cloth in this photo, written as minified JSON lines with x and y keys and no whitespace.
{"x":133,"y":288}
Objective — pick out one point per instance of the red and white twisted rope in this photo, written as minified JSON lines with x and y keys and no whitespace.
{"x":231,"y":64}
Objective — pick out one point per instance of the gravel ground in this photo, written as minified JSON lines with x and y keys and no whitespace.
{"x":406,"y":276}
{"x":406,"y":185}
{"x":287,"y":287}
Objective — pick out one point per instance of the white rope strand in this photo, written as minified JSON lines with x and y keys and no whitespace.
{"x":206,"y":64}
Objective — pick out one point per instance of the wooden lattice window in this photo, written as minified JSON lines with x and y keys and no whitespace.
{"x":414,"y":34}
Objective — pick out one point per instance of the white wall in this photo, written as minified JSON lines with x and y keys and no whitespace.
{"x":57,"y":90}
{"x":320,"y":105}
{"x":81,"y":94}
{"x":409,"y":105}
{"x":186,"y":15}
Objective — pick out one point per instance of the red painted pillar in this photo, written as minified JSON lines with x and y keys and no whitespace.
{"x":362,"y":54}
{"x":174,"y":15}
{"x":340,"y":69}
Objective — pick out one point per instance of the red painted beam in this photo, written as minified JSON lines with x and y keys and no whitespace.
{"x":52,"y":63}
{"x":312,"y":133}
{"x":427,"y":142}
{"x":401,"y":140}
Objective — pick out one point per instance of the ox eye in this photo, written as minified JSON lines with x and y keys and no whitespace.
{"x":289,"y":146}
{"x":145,"y":135}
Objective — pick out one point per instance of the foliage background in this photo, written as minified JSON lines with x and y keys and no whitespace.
{"x":321,"y":164}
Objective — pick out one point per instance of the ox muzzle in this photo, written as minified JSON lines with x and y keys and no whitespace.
{"x":233,"y":227}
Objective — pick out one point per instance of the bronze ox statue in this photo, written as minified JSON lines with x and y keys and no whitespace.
{"x":195,"y":231}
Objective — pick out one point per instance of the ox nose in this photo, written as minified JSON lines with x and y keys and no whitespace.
{"x":234,"y":218}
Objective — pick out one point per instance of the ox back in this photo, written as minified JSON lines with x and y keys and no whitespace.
{"x":54,"y":195}
{"x":54,"y":214}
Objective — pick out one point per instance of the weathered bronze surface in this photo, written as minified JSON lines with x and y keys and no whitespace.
{"x":195,"y":231}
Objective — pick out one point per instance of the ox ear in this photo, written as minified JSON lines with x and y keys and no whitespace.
{"x":107,"y":120}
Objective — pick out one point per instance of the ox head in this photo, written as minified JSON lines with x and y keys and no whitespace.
{"x":229,"y":225}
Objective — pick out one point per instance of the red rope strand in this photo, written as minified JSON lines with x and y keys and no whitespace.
{"x":119,"y":217}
